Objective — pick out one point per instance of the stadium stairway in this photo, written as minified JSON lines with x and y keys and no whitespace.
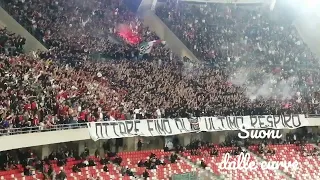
{"x":308,"y":29}
{"x":32,"y":44}
{"x":2,"y":25}
{"x":151,"y":20}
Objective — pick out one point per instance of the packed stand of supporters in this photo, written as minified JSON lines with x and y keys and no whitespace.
{"x":64,"y":85}
{"x":254,"y":48}
{"x":10,"y":43}
{"x":76,"y":29}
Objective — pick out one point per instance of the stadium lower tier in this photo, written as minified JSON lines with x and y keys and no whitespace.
{"x":129,"y":160}
{"x":308,"y":166}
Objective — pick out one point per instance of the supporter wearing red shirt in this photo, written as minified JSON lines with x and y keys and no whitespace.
{"x":91,"y":118}
{"x":27,"y":107}
{"x":35,"y":121}
{"x":21,"y":118}
{"x":120,"y":116}
{"x":113,"y":114}
{"x":65,"y":110}
{"x":82,"y":116}
{"x":34,"y":105}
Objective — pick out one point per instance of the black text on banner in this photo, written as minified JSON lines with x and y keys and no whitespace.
{"x":148,"y":127}
{"x":168,"y":127}
{"x":251,"y":122}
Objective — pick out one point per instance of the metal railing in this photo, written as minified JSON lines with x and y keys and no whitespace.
{"x":36,"y":129}
{"x":59,"y":127}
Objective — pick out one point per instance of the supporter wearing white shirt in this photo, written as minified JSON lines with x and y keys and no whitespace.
{"x":135,"y":112}
{"x":79,"y":108}
{"x":143,"y":112}
{"x":41,"y":126}
{"x":100,"y":114}
{"x":158,"y":113}
{"x":112,"y":118}
{"x":85,"y":162}
{"x":170,"y":145}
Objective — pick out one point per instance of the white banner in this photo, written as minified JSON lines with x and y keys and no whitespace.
{"x":210,"y":124}
{"x":145,"y":127}
{"x":169,"y":127}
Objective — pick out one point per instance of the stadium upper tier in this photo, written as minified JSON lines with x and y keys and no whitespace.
{"x":103,"y":64}
{"x":253,"y":66}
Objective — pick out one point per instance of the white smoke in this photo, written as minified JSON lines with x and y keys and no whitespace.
{"x":191,"y":69}
{"x":259,"y":84}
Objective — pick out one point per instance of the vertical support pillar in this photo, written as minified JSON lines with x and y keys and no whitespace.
{"x":45,"y":151}
{"x":81,"y":145}
{"x":218,"y":137}
{"x":130,"y":143}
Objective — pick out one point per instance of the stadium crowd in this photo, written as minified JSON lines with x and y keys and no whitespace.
{"x":256,"y":47}
{"x":64,"y":161}
{"x":10,"y":43}
{"x":67,"y":85}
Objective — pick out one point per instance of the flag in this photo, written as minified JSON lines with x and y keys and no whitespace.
{"x":146,"y":47}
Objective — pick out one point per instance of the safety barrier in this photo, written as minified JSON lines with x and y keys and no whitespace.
{"x":37,"y":129}
{"x":314,"y":120}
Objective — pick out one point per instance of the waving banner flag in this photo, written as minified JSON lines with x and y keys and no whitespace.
{"x":146,"y":47}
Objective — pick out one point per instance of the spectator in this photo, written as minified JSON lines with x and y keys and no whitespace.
{"x":145,"y":174}
{"x":214,"y":152}
{"x":91,"y":163}
{"x":67,"y":86}
{"x":10,"y":43}
{"x":85,"y":163}
{"x":139,"y":145}
{"x":27,"y":171}
{"x":104,"y":161}
{"x":203,"y":164}
{"x":173,"y":158}
{"x":123,"y":171}
{"x":51,"y":172}
{"x":105,"y":168}
{"x":117,"y":160}
{"x":140,"y":163}
{"x":97,"y":153}
{"x":62,"y":175}
{"x":86,"y":151}
{"x":129,"y":172}
{"x":75,"y":169}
